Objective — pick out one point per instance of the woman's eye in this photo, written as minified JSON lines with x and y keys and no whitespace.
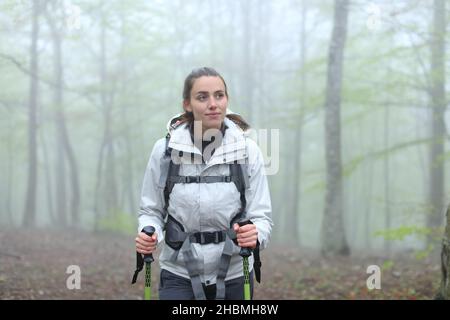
{"x":201,"y":98}
{"x":219,"y":95}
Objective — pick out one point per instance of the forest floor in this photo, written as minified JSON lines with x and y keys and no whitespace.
{"x":33,"y":265}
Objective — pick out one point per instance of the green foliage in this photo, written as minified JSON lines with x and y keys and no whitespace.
{"x":120,"y":222}
{"x":422,"y":254}
{"x":351,"y":165}
{"x":401,"y":147}
{"x":359,"y":116}
{"x":387,"y":265}
{"x":316,"y":187}
{"x":402,"y":232}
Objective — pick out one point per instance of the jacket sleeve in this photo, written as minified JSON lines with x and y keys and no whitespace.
{"x":259,"y":208}
{"x":151,"y":211}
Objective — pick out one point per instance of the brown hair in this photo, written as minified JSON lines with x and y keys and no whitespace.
{"x":189,"y":83}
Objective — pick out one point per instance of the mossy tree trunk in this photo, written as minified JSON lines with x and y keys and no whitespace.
{"x":444,"y":290}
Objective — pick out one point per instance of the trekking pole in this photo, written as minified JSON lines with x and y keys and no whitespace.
{"x":245,"y":253}
{"x":148,"y":259}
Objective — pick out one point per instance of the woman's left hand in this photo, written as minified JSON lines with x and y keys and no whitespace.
{"x":247,"y":235}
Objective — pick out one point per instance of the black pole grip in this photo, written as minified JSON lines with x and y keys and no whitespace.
{"x":245,"y":252}
{"x":148,"y":230}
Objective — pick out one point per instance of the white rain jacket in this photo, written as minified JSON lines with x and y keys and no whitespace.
{"x":203,"y":207}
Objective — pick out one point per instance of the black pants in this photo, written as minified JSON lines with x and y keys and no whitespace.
{"x":174,"y":287}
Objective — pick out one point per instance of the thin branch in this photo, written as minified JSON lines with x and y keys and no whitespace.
{"x":86,"y":95}
{"x":15,"y":62}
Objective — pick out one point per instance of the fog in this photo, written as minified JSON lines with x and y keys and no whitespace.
{"x":81,"y":109}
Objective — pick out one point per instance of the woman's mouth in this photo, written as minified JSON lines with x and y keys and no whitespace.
{"x":213,"y":115}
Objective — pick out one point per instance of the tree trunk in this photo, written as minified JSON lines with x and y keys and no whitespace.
{"x":264,"y":41}
{"x":61,"y":195}
{"x":290,"y":228}
{"x":60,"y":175}
{"x":29,"y":216}
{"x":213,"y":8}
{"x":108,"y":194}
{"x":368,"y":181}
{"x":111,"y":194}
{"x":10,"y":175}
{"x":297,"y":160}
{"x":230,"y":62}
{"x":437,"y":172}
{"x":97,"y":209}
{"x":74,"y":178}
{"x":48,"y":181}
{"x":247,"y":93}
{"x":333,"y":231}
{"x":387,"y":191}
{"x":64,"y":146}
{"x":444,"y":290}
{"x":128,"y":178}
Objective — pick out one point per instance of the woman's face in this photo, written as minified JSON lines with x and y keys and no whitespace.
{"x":208,"y":102}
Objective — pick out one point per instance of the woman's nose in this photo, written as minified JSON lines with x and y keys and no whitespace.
{"x":212,"y":103}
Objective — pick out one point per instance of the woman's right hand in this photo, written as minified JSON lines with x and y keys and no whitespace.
{"x":146,"y":244}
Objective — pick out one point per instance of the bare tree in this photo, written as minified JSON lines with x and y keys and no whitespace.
{"x":64,"y":146}
{"x":128,"y":180}
{"x":333,"y":232}
{"x":248,"y":77}
{"x":438,"y":104}
{"x":10,"y":174}
{"x":29,"y":216}
{"x":387,"y":184}
{"x":294,"y":214}
{"x":106,"y":161}
{"x":47,"y":167}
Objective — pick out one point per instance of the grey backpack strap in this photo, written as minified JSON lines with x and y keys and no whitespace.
{"x":168,"y":168}
{"x":243,"y":183}
{"x":224,"y":263}
{"x":193,"y":267}
{"x":165,"y":164}
{"x":174,"y":170}
{"x":239,"y":176}
{"x":240,"y":170}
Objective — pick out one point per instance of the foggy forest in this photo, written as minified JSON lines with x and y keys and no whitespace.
{"x":351,"y":96}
